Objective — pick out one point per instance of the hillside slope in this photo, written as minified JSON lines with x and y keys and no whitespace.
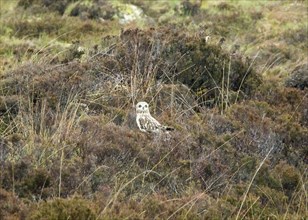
{"x":72,"y":71}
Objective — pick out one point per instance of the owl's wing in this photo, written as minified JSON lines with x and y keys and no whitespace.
{"x":154,"y":121}
{"x":149,"y":124}
{"x":159,"y":126}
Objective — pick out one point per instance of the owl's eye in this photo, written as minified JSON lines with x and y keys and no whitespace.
{"x":139,"y":106}
{"x":146,"y":106}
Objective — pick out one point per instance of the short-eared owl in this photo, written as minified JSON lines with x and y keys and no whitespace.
{"x":146,"y":122}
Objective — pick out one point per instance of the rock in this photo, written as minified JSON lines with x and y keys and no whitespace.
{"x":127,"y":13}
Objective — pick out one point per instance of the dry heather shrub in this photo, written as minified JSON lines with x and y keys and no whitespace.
{"x":107,"y":140}
{"x":94,"y":10}
{"x":288,"y":99}
{"x":157,"y":206}
{"x":8,"y":109}
{"x":10,"y":206}
{"x":40,"y":6}
{"x":212,"y":167}
{"x":266,"y":125}
{"x":52,"y":148}
{"x":26,"y":180}
{"x":288,"y":177}
{"x":123,"y":73}
{"x":114,"y":146}
{"x":258,"y":136}
{"x":224,"y":6}
{"x":146,"y":58}
{"x":221,"y":124}
{"x":190,"y":8}
{"x":14,"y":174}
{"x":297,"y":36}
{"x":55,"y":84}
{"x":51,"y":24}
{"x":298,"y":77}
{"x":287,"y":109}
{"x":75,"y":208}
{"x":24,"y":51}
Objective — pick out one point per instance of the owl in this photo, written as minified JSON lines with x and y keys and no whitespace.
{"x":146,"y":122}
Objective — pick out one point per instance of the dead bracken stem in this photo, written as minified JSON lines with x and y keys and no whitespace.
{"x":222,"y":90}
{"x":60,"y":173}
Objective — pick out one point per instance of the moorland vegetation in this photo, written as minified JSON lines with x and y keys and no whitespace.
{"x":71,"y":72}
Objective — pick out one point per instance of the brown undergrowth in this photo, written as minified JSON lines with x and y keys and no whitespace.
{"x":70,"y":148}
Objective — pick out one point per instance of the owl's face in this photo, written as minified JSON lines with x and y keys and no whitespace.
{"x":142,"y":107}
